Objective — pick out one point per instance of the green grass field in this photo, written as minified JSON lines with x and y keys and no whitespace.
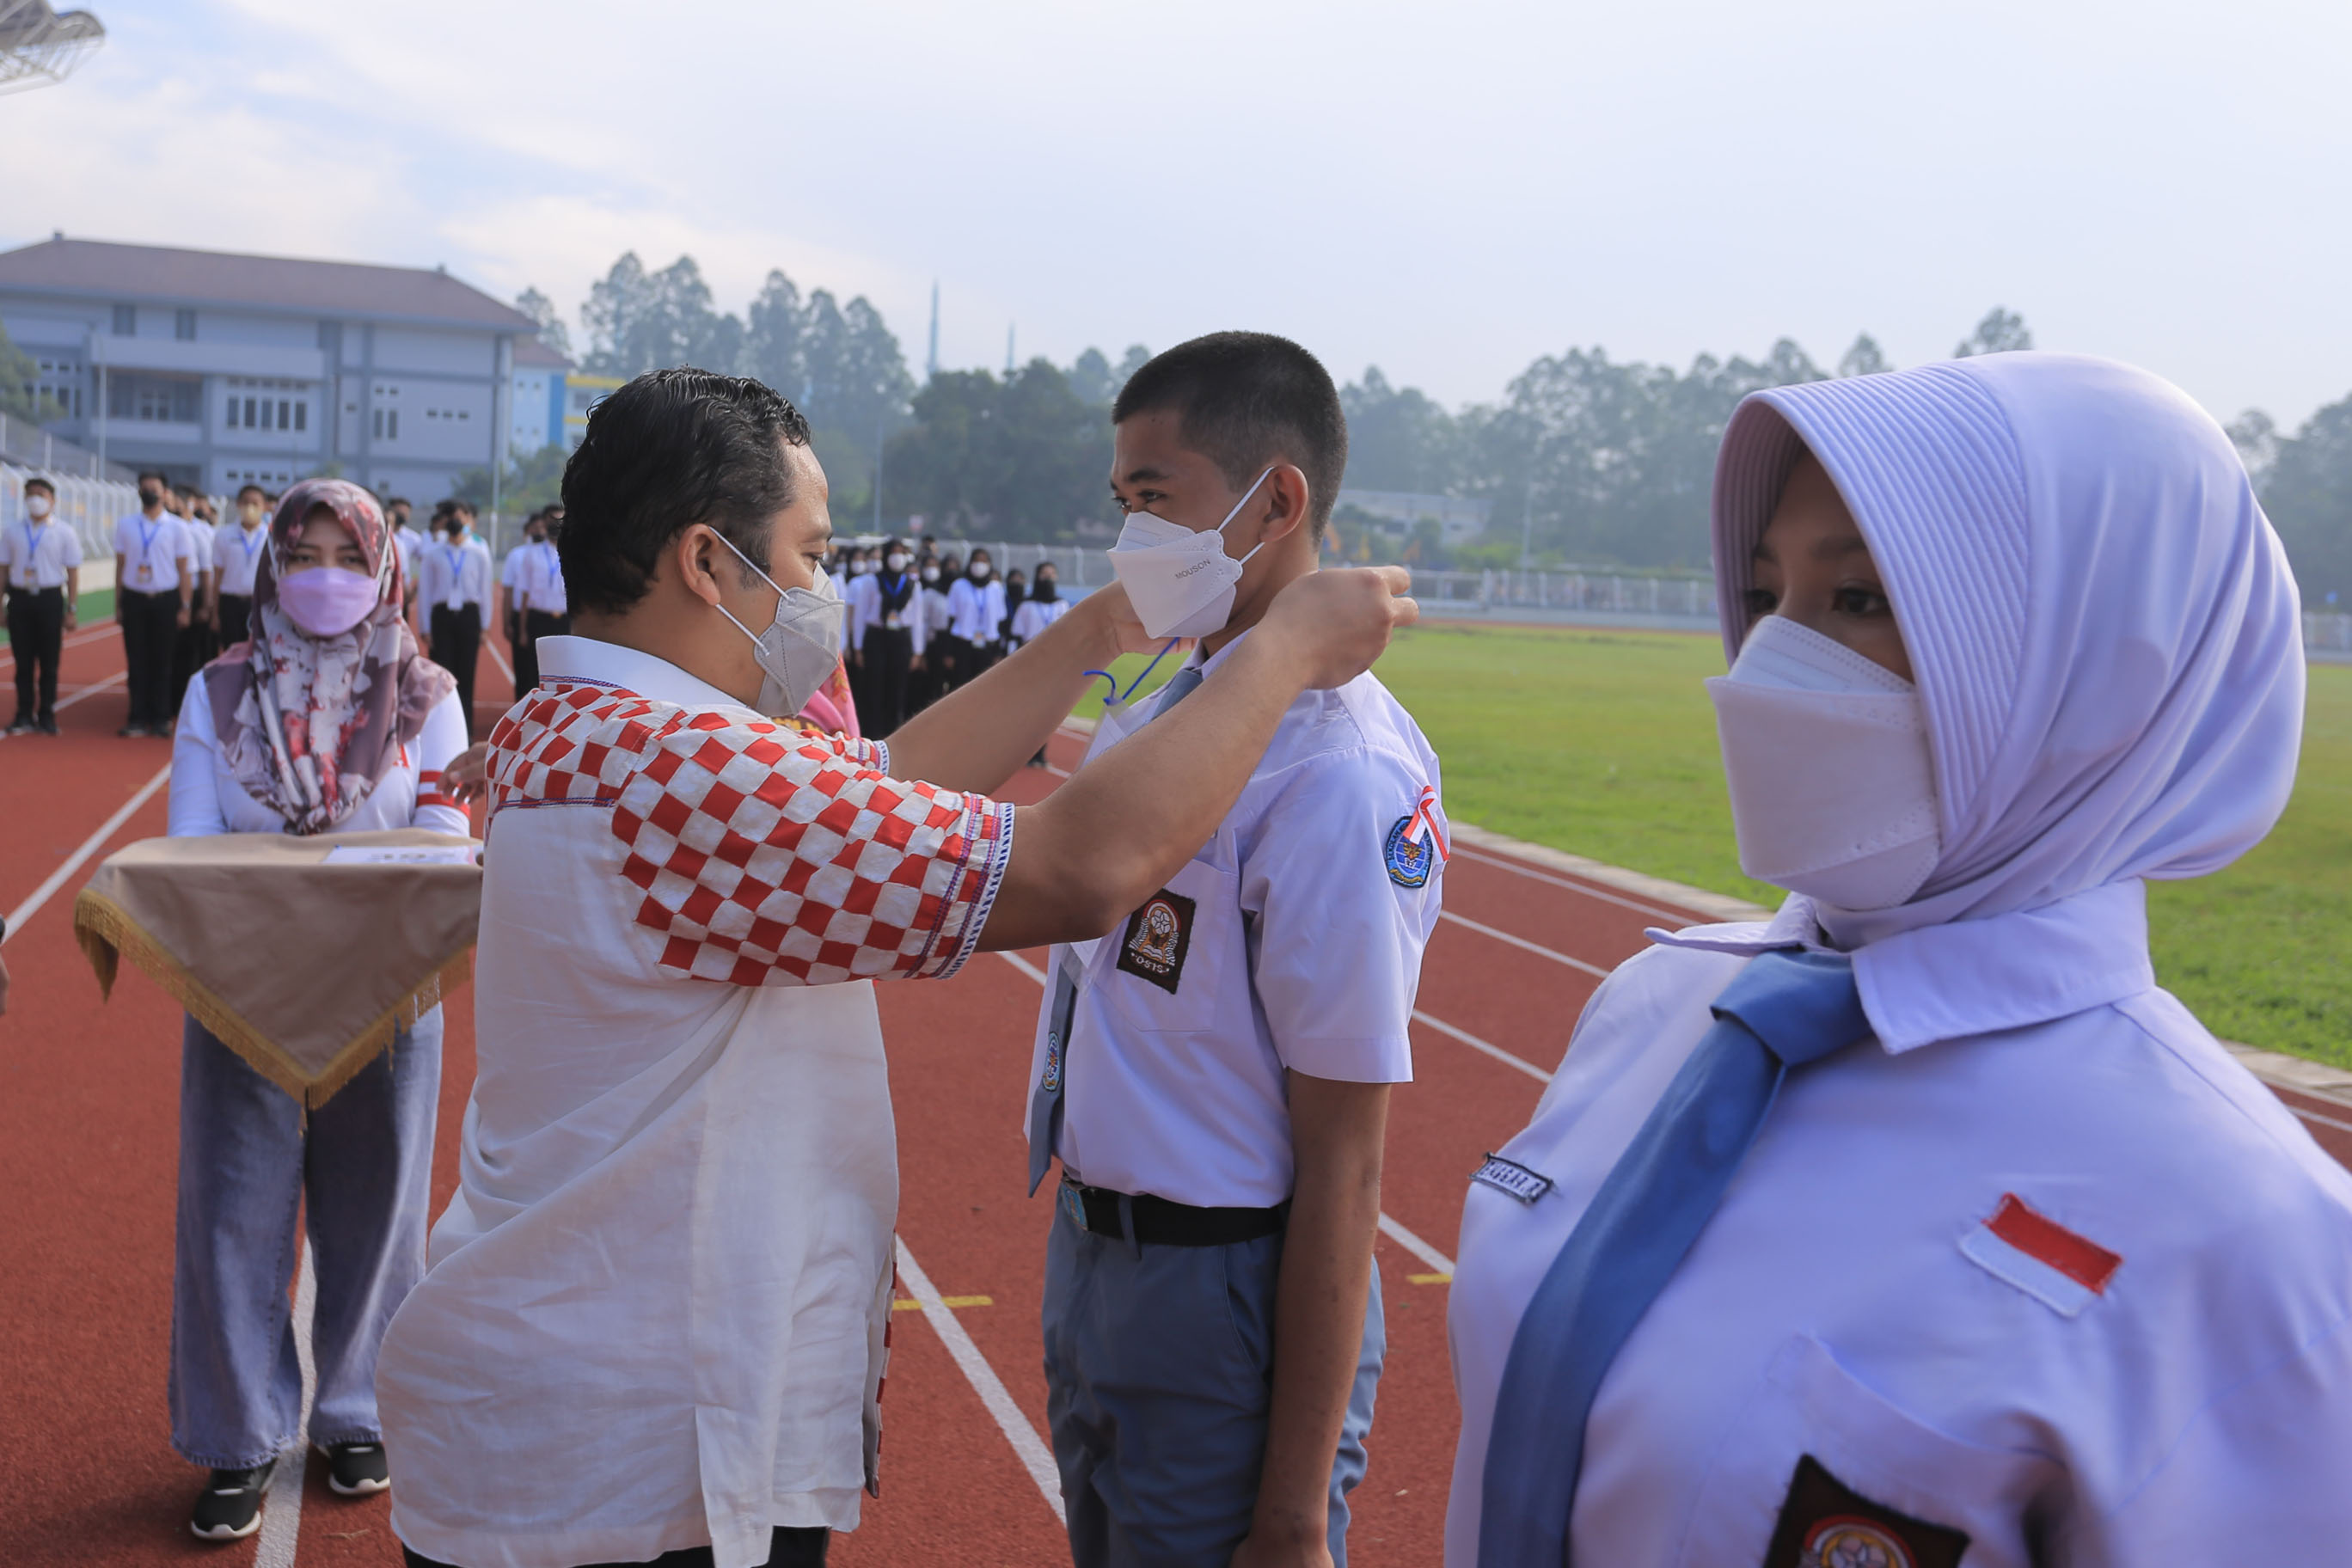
{"x":1602,"y":744}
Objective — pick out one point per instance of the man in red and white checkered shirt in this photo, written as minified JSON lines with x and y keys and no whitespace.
{"x":652,"y":1320}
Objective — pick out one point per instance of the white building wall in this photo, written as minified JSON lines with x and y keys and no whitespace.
{"x":448,"y":353}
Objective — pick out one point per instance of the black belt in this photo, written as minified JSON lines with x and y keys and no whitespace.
{"x":1159,"y":1223}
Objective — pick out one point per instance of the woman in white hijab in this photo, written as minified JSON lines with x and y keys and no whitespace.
{"x":1919,"y":1225}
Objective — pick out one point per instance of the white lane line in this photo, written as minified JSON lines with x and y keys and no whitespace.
{"x":1523,"y":943}
{"x":281,"y":1517}
{"x":499,"y":659}
{"x":1414,"y":1244}
{"x":83,"y":693}
{"x":1680,"y":916}
{"x":1476,"y":1044}
{"x":1025,"y":966}
{"x":88,"y":634}
{"x":1029,"y":1448}
{"x":2313,"y":1116}
{"x":89,"y":847}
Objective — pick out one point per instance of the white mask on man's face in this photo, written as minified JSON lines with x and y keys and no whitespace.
{"x":1833,"y":781}
{"x":36,"y":507}
{"x":802,"y":647}
{"x":1180,"y":583}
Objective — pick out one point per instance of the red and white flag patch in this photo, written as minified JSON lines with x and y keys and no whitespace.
{"x":2021,"y":1246}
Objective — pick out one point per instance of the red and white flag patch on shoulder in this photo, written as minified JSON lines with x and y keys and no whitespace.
{"x":2021,"y":1246}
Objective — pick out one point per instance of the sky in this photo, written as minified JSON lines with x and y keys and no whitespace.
{"x":1446,"y":192}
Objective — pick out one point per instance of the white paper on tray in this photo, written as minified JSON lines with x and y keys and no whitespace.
{"x":400,"y":855}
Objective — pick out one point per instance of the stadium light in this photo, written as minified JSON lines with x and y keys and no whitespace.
{"x":39,"y":46}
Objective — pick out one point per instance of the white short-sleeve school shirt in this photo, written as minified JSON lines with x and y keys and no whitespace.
{"x":2040,"y":1265}
{"x":539,"y":578}
{"x":1293,"y":940}
{"x":207,"y":798}
{"x":1034,"y":616}
{"x":452,"y":577}
{"x":152,"y":550}
{"x":236,"y":553}
{"x":653,"y":1311}
{"x":976,"y":610}
{"x":39,"y":555}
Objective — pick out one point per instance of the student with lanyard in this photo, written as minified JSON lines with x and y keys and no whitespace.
{"x":237,"y":549}
{"x":541,"y":605}
{"x":975,"y":611}
{"x":457,"y":594}
{"x":40,"y":567}
{"x":510,"y":602}
{"x":935,"y":677}
{"x":893,"y":642}
{"x":1918,"y":1226}
{"x":196,"y":642}
{"x":1214,"y":1074}
{"x":154,"y":597}
{"x":409,"y":542}
{"x":329,"y":720}
{"x":1040,"y":608}
{"x":653,"y":1326}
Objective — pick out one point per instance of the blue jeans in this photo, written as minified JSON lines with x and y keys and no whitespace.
{"x":1160,"y":1378}
{"x":247,"y":1161}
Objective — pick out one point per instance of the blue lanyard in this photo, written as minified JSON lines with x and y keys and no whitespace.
{"x":147,"y":533}
{"x":249,"y":541}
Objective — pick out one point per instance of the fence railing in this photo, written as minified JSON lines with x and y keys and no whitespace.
{"x":89,"y":507}
{"x":22,"y":441}
{"x":2330,"y":633}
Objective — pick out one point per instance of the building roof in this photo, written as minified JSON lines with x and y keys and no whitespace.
{"x":530,"y":352}
{"x":100,"y":269}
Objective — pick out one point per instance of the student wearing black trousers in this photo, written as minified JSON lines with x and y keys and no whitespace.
{"x":889,"y":647}
{"x":40,"y":563}
{"x":156,"y":591}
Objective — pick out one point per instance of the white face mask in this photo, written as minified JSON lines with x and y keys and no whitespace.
{"x":896,"y":562}
{"x":979,"y":573}
{"x":801,"y":647}
{"x":931,"y":574}
{"x":1833,"y":781}
{"x":36,"y":507}
{"x":1180,"y":583}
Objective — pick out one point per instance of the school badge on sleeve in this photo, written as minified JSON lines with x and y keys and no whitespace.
{"x":1826,"y":1524}
{"x":1415,"y":846}
{"x":1157,"y":938}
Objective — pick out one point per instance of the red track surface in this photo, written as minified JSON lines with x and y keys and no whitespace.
{"x":88,"y":1137}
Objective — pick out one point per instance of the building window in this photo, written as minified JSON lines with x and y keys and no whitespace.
{"x":391,"y":426}
{"x":153,"y":399}
{"x":303,"y":415}
{"x":183,"y":325}
{"x":126,"y":321}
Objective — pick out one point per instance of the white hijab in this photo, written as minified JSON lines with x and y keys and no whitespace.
{"x":2105,"y":633}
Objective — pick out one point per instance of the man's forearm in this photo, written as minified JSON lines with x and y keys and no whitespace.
{"x":1320,"y":1303}
{"x":976,"y":736}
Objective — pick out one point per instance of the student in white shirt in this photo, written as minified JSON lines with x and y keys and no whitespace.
{"x":154,"y":597}
{"x":2020,"y":1266}
{"x":195,"y":643}
{"x":653,"y":1316}
{"x":237,"y":549}
{"x":40,"y":567}
{"x":1214,"y":1074}
{"x":456,"y":598}
{"x":936,"y":674}
{"x":540,"y":605}
{"x":888,"y":603}
{"x":1042,"y":608}
{"x":975,"y":615}
{"x":410,"y":541}
{"x":333,"y":658}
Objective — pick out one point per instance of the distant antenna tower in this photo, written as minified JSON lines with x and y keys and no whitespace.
{"x":1008,"y":350}
{"x":38,"y":45}
{"x":931,"y":365}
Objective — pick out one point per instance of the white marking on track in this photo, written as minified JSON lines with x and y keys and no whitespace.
{"x":83,"y":693}
{"x":281,"y":1518}
{"x":1029,"y":1448}
{"x":1680,"y":916}
{"x":1524,"y":945}
{"x":89,"y":847}
{"x":1414,"y":1244}
{"x":499,"y":659}
{"x":1476,"y":1044}
{"x":1025,"y":966}
{"x":88,"y":634}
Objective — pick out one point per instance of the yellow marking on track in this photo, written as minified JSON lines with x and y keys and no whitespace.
{"x":1429,"y":1279}
{"x":903,"y":1305}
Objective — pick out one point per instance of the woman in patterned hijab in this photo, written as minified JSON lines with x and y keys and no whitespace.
{"x":309,"y":717}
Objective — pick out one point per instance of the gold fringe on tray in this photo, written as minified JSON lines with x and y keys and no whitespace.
{"x":105,"y":933}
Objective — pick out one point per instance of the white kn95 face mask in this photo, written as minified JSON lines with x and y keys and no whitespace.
{"x":1180,"y":583}
{"x":801,"y":645}
{"x":1832,"y":778}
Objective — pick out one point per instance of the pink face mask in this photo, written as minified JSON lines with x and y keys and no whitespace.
{"x":328,"y":601}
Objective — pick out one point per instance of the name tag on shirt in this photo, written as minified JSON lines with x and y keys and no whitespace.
{"x":1510,"y":1176}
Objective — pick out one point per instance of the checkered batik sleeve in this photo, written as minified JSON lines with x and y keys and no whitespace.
{"x":773,"y":858}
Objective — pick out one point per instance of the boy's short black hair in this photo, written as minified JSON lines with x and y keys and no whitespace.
{"x":35,"y":480}
{"x":672,"y":449}
{"x":398,"y":501}
{"x":154,"y":474}
{"x":1245,"y":401}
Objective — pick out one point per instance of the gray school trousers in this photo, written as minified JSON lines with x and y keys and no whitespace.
{"x":1160,"y":1378}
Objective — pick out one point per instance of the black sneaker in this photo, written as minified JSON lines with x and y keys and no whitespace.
{"x":230,"y":1508}
{"x":48,"y":726}
{"x":132,"y":731}
{"x":21,"y":727}
{"x":358,"y":1469}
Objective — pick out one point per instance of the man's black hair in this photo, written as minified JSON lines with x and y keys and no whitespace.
{"x":1246,"y":401}
{"x":399,"y":500}
{"x":251,"y":489}
{"x":154,"y":474}
{"x":462,"y":508}
{"x":672,"y":449}
{"x":36,"y":479}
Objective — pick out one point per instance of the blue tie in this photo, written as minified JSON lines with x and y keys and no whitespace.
{"x":1785,"y":1009}
{"x":1046,"y":1099}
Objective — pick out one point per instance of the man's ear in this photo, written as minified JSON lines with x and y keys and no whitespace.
{"x":1288,"y":498}
{"x":692,"y":557}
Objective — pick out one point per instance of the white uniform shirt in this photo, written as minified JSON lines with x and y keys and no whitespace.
{"x":865,"y":601}
{"x":207,"y":798}
{"x":1033,"y":617}
{"x":935,"y":613}
{"x":237,"y":551}
{"x":653,"y":1311}
{"x":456,"y":574}
{"x":39,"y":555}
{"x":975,"y":610}
{"x":151,"y":552}
{"x":200,"y":552}
{"x":408,"y":541}
{"x":510,"y":574}
{"x":1285,"y":944}
{"x":538,"y":579}
{"x":1866,"y":1296}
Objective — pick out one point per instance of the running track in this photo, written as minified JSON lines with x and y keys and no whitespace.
{"x":87,"y":1148}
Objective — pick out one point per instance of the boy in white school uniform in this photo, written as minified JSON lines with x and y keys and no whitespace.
{"x":40,"y":565}
{"x":1214,"y":1075}
{"x":237,"y":547}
